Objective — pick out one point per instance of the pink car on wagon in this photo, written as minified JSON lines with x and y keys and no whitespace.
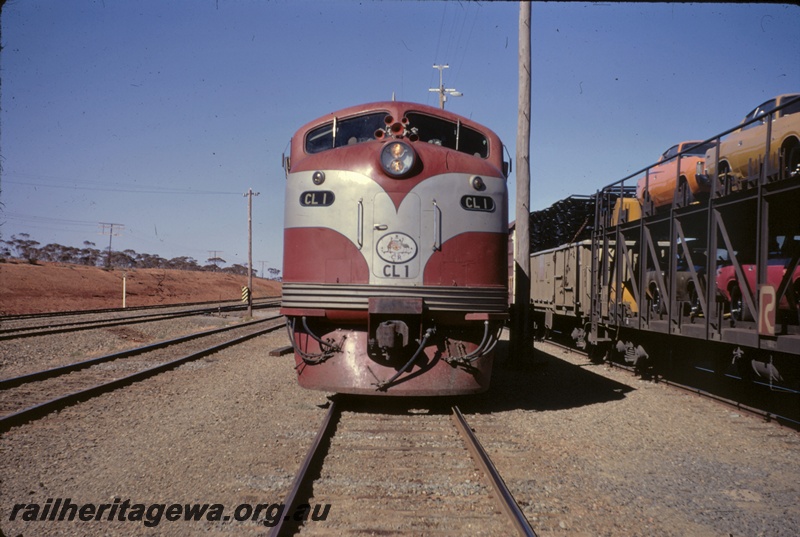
{"x":731,"y":289}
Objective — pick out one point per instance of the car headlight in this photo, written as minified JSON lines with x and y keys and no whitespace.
{"x":397,"y":158}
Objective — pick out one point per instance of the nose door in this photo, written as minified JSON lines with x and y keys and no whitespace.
{"x":396,"y":240}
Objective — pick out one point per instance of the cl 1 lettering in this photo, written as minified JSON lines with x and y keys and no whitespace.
{"x":477,"y":203}
{"x":317,"y":198}
{"x":395,"y":271}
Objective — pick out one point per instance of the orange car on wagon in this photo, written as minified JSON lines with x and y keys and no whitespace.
{"x":662,"y":179}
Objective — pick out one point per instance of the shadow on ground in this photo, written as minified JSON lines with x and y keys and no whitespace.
{"x":539,"y":382}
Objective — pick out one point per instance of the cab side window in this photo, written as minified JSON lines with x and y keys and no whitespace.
{"x":349,"y":131}
{"x":448,"y":134}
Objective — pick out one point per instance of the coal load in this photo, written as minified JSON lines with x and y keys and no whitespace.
{"x":568,"y":220}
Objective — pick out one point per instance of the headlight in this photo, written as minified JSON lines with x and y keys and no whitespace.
{"x":397,"y":158}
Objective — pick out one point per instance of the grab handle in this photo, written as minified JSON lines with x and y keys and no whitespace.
{"x":437,"y":227}
{"x":360,"y":224}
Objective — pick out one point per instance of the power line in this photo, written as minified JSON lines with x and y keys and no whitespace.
{"x":47,"y":220}
{"x":465,"y":48}
{"x":145,"y":189}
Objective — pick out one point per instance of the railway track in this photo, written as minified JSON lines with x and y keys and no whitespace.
{"x":30,"y":396}
{"x":422,"y":472}
{"x":107,"y":311}
{"x":21,"y":328}
{"x":784,"y":414}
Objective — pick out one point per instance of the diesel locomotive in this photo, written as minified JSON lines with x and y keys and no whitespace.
{"x":395,"y":251}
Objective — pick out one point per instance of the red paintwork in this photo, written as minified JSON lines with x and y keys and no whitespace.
{"x":468,"y":260}
{"x":320,"y":255}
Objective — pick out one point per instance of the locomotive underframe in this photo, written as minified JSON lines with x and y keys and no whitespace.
{"x":396,"y":348}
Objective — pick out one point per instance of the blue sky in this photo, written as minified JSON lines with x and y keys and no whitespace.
{"x":160,"y":114}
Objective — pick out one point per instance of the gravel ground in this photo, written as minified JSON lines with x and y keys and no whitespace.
{"x":585,"y":449}
{"x":591,"y":450}
{"x":27,"y":355}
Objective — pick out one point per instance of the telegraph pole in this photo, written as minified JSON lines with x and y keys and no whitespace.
{"x":214,"y":256}
{"x":522,"y":340}
{"x":110,"y":227}
{"x":441,"y":90}
{"x":249,"y":195}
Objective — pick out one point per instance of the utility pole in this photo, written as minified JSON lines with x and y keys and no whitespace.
{"x":249,"y":195}
{"x":214,"y":256}
{"x":441,"y":90}
{"x":110,"y":227}
{"x":521,"y":338}
{"x":262,"y":268}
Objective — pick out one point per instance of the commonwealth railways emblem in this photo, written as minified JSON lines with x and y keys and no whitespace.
{"x":396,"y":248}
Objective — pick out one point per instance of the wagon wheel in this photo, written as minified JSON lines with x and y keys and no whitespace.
{"x":597,"y":352}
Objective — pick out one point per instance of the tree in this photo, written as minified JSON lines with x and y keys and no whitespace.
{"x":150,"y":261}
{"x":183,"y":263}
{"x":239,"y":270}
{"x":89,"y":255}
{"x":274,"y":273}
{"x":26,"y":247}
{"x":126,"y":259}
{"x":215,"y":261}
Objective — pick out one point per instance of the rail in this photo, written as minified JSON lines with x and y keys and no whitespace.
{"x":312,"y":459}
{"x":73,"y":326}
{"x":310,"y":467}
{"x":35,"y":411}
{"x":507,"y":502}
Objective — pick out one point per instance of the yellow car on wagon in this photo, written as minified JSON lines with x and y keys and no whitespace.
{"x":742,"y":153}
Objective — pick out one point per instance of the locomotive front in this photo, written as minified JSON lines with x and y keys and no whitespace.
{"x":395,"y":251}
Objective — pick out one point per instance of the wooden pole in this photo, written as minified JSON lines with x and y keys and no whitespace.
{"x":521,"y":340}
{"x":250,"y":195}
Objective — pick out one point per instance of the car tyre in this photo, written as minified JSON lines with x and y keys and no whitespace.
{"x":792,"y":155}
{"x":657,"y":306}
{"x":739,"y":309}
{"x":695,"y":308}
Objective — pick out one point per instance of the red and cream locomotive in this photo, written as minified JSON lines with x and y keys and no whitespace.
{"x":395,"y":251}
